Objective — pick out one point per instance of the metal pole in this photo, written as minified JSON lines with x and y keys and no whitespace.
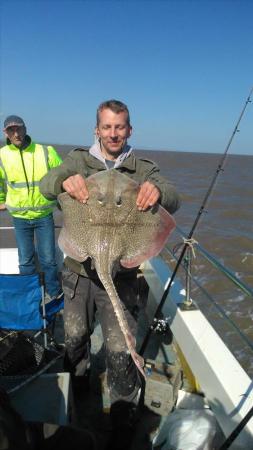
{"x":187,"y":303}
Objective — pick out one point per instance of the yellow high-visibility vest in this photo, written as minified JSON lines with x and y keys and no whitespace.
{"x":20,"y":174}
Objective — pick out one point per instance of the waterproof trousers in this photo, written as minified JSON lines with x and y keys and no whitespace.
{"x":83,"y":297}
{"x":26,"y":231}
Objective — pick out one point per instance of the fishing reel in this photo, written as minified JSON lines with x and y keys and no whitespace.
{"x":160,"y":326}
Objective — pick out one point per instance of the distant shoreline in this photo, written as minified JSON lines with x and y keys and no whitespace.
{"x":67,"y":148}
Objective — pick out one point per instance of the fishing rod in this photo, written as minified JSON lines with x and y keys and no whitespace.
{"x":169,"y":282}
{"x":229,"y":441}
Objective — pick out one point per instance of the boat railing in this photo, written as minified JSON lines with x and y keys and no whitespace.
{"x":189,"y":279}
{"x":215,"y":263}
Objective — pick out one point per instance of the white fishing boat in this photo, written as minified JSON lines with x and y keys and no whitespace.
{"x":204,"y":406}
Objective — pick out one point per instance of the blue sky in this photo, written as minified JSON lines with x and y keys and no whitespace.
{"x":184,"y":68}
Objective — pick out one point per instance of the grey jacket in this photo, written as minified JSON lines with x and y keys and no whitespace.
{"x":80,"y":161}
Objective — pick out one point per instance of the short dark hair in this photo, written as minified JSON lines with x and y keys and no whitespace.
{"x":115,"y":106}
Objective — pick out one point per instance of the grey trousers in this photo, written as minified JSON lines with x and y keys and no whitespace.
{"x":82,"y":298}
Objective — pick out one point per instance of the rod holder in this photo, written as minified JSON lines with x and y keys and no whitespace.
{"x":188,"y":304}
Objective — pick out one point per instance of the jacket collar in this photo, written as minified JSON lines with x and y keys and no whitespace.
{"x":126,"y":159}
{"x":129,"y":163}
{"x":28,"y":142}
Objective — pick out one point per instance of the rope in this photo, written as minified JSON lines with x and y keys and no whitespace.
{"x":186,"y":241}
{"x":191,"y":242}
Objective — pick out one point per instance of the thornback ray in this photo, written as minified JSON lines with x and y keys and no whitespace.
{"x":111,"y":230}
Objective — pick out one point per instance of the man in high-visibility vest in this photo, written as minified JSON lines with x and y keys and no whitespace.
{"x":22,"y":165}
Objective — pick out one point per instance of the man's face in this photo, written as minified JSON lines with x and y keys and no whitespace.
{"x":113,"y":131}
{"x":16,"y":135}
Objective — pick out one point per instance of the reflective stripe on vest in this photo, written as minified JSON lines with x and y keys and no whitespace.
{"x":22,"y":184}
{"x":31,"y":208}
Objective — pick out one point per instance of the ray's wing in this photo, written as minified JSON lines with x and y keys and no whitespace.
{"x":148,"y":235}
{"x":74,"y":227}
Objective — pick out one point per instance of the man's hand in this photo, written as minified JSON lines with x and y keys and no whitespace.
{"x":75,"y":186}
{"x":2,"y":206}
{"x":148,"y":195}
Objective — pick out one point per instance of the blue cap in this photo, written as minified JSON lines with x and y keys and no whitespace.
{"x":13,"y":121}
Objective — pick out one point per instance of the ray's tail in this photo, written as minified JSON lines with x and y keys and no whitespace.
{"x":119,"y":312}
